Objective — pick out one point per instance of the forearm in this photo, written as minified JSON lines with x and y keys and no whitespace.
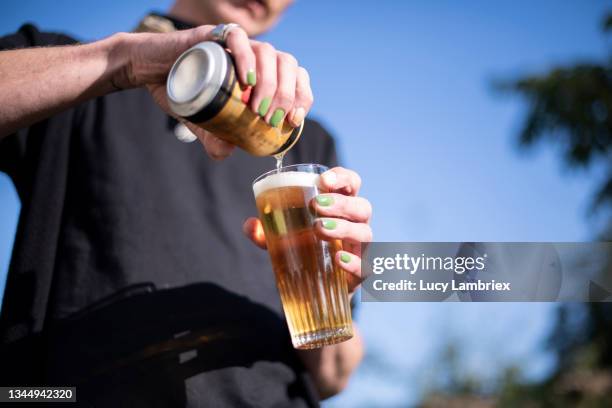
{"x":38,"y":82}
{"x":332,"y":366}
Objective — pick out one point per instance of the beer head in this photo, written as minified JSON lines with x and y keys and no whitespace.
{"x":285,"y":179}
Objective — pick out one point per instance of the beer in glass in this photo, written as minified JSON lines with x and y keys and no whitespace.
{"x":313,"y":289}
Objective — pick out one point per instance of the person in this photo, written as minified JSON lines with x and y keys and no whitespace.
{"x":130,"y":277}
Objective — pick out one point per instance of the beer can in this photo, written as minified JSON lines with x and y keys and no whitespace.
{"x":202,"y":88}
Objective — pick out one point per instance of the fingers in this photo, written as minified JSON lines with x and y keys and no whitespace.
{"x":351,"y":264}
{"x":240,"y":46}
{"x":340,"y":180}
{"x":303,"y":98}
{"x":280,"y":88}
{"x":286,"y":71}
{"x":335,"y":228}
{"x":216,"y":148}
{"x":261,"y":98}
{"x":283,"y":88}
{"x":356,"y":209}
{"x":253,"y":229}
{"x":197,"y":34}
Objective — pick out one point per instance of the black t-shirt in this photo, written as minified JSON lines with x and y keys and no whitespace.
{"x":130,"y":276}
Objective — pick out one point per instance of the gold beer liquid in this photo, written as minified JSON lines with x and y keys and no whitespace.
{"x":279,"y":160}
{"x":313,"y":289}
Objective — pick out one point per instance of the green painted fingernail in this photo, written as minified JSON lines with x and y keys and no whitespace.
{"x":330,"y":224}
{"x":324,"y":201}
{"x":251,"y":78}
{"x":277,"y":117}
{"x":264,"y":106}
{"x":346,"y":258}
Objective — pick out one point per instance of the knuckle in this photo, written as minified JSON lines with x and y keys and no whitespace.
{"x":356,"y":179}
{"x":201,"y":31}
{"x":368,"y":234}
{"x":211,"y":151}
{"x":305,"y":93}
{"x":368,"y":208}
{"x":122,"y":35}
{"x":233,"y":37}
{"x":303,"y":72}
{"x":308,"y":101}
{"x":267,"y":81}
{"x":287,"y":58}
{"x":267,"y":85}
{"x":237,"y":32}
{"x":340,"y":203}
{"x":284,"y":97}
{"x":266,"y":48}
{"x":360,"y":208}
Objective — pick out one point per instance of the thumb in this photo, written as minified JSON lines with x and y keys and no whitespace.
{"x":253,"y":230}
{"x":217,"y":149}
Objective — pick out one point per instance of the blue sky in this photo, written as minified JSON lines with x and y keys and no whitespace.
{"x":406,"y":89}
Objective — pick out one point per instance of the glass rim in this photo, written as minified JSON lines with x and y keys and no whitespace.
{"x":290,"y":167}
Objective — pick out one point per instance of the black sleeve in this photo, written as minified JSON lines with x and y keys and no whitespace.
{"x":13,"y":147}
{"x":29,"y":36}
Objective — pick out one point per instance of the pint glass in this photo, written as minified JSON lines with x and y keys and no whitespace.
{"x":312,"y":287}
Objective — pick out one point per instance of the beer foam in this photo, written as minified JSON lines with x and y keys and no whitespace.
{"x":288,"y":179}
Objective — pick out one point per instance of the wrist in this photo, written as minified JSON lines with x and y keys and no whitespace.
{"x":118,"y":49}
{"x":139,"y":59}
